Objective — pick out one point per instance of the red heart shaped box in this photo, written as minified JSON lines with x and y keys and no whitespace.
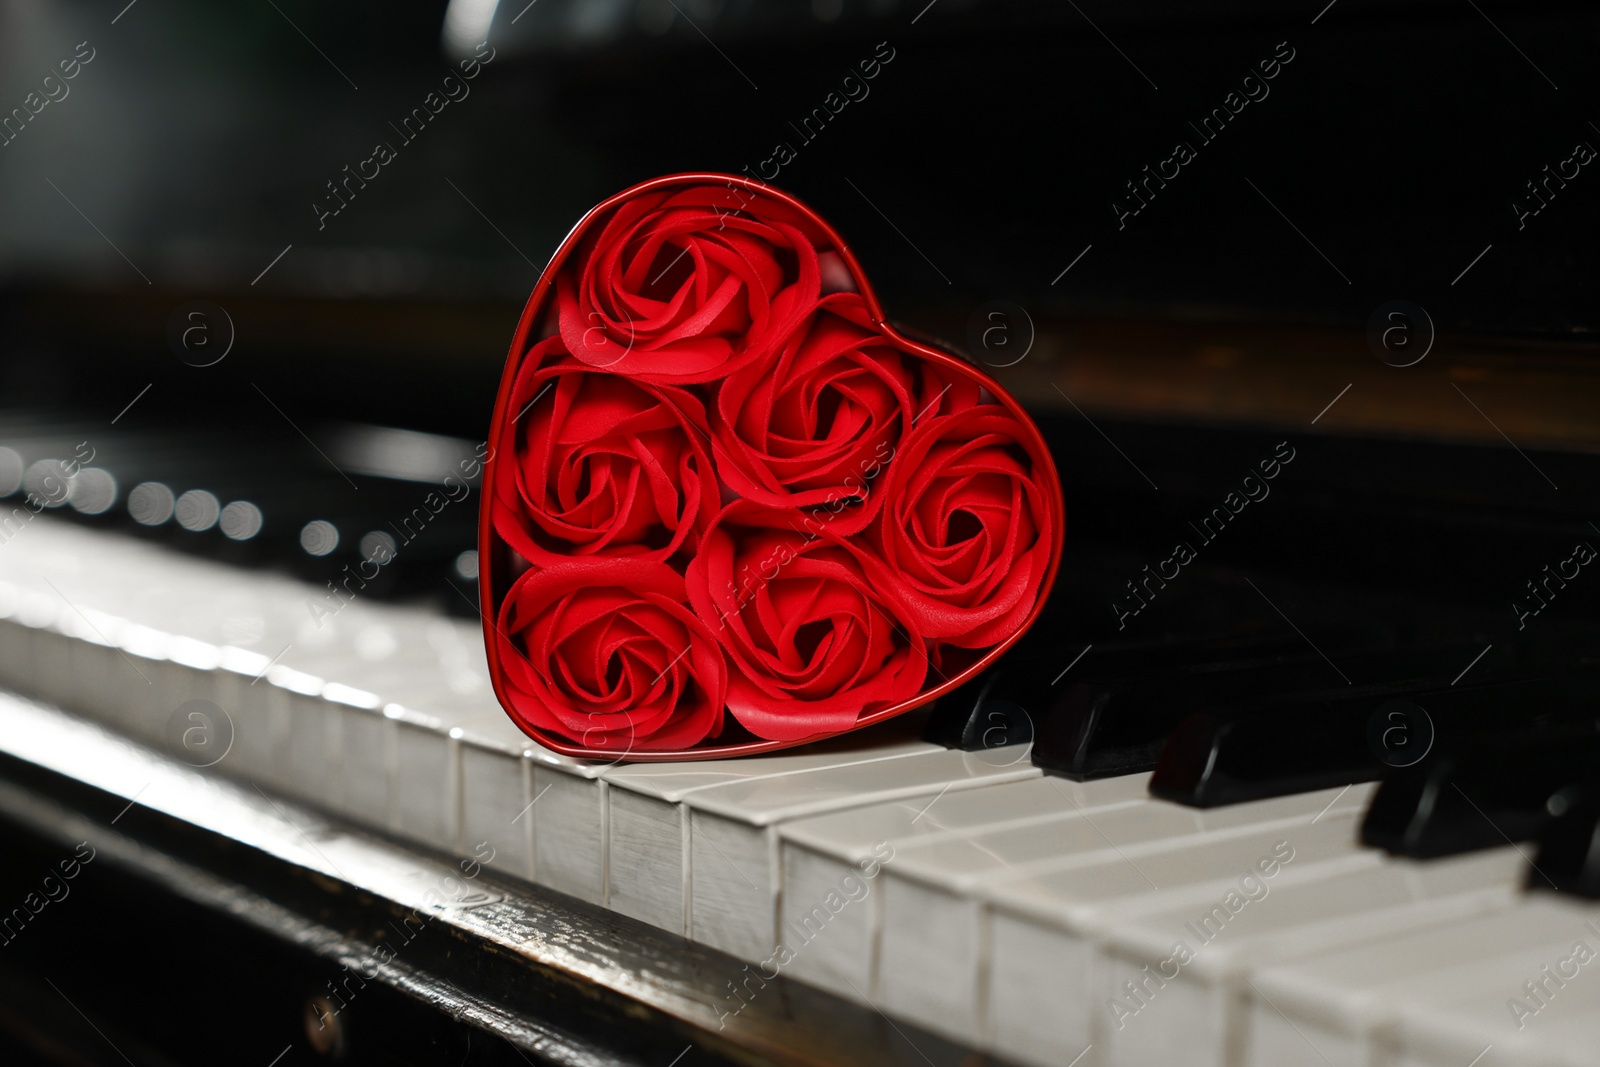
{"x":496,"y":570}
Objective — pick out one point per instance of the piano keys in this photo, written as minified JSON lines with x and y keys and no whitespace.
{"x":1483,"y":987}
{"x":965,"y":892}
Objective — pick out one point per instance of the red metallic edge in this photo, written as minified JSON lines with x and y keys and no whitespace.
{"x":490,"y":549}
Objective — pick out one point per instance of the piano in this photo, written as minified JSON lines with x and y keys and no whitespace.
{"x":1321,"y":787}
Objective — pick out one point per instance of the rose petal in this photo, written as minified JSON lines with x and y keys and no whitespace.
{"x":973,"y":593}
{"x":757,"y":587}
{"x":606,"y":649}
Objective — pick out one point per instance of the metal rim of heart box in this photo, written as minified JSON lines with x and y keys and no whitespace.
{"x":493,"y":554}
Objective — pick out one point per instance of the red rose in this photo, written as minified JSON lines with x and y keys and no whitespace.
{"x":724,"y":491}
{"x":596,"y":465}
{"x":966,"y":527}
{"x":816,"y":425}
{"x":687,"y":286}
{"x":605,"y":652}
{"x":812,"y":636}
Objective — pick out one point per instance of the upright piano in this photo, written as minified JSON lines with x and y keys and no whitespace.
{"x":1301,"y":763}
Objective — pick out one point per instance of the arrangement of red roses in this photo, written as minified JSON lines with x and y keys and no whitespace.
{"x":730,"y":494}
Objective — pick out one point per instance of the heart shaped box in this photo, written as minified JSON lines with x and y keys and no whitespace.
{"x":497,"y":566}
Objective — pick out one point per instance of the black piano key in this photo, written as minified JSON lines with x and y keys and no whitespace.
{"x":1023,"y":688}
{"x":254,"y":491}
{"x":251,"y":509}
{"x":1568,"y":856}
{"x":1275,"y":747}
{"x":978,"y":716}
{"x":1097,"y":730}
{"x":1479,"y":793}
{"x":229,"y":462}
{"x":414,"y":548}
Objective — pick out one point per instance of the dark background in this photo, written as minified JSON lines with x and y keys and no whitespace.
{"x":991,"y":148}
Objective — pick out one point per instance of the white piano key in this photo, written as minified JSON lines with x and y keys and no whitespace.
{"x":1561,"y":1035}
{"x":1560,"y":1027}
{"x":269,"y":709}
{"x":52,"y":653}
{"x":239,"y":685}
{"x":425,"y":785}
{"x":32,"y":618}
{"x":736,"y":886}
{"x":363,"y":768}
{"x":755,"y":810}
{"x":646,"y":870}
{"x":312,"y":726}
{"x":162,"y":599}
{"x":650,"y":867}
{"x":570,"y":826}
{"x":457,"y":646}
{"x":733,"y":856}
{"x":15,"y":635}
{"x":496,"y":761}
{"x":89,"y":660}
{"x":938,"y":883}
{"x":184,"y":686}
{"x":47,"y":629}
{"x":311,"y":755}
{"x":735,"y":863}
{"x":135,"y":703}
{"x":850,"y":835}
{"x":259,"y":734}
{"x":427,"y":782}
{"x":1349,"y":1006}
{"x":1196,"y":1017}
{"x":818,"y":853}
{"x":347,"y":709}
{"x":1051,"y":912}
{"x":433,"y":672}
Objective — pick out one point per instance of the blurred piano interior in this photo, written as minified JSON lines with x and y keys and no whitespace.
{"x":1322,"y":789}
